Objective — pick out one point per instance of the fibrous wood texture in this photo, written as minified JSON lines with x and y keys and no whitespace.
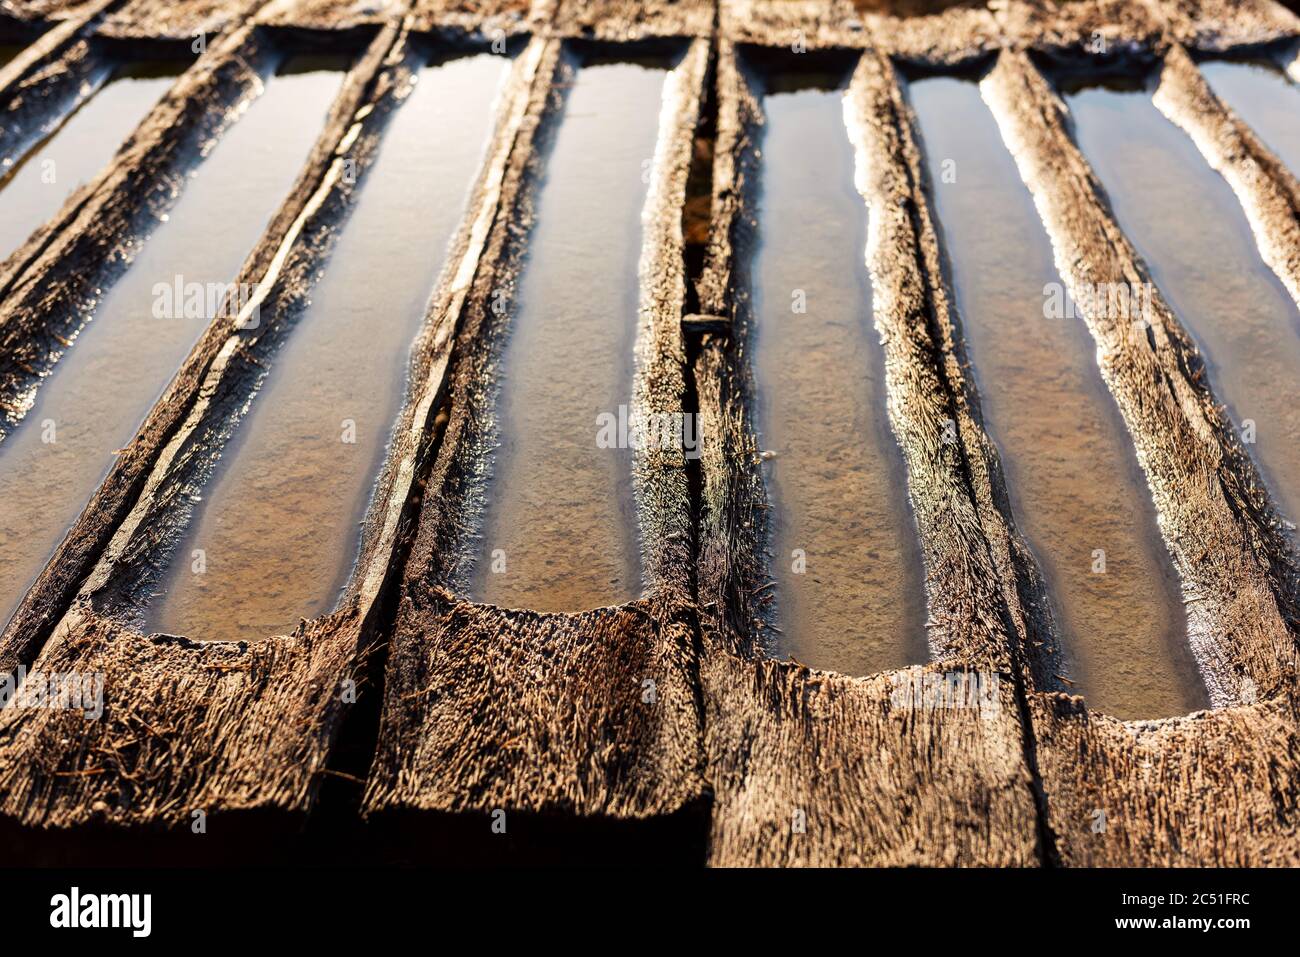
{"x":661,"y":721}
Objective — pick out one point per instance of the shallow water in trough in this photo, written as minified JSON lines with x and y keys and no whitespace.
{"x":1187,"y":224}
{"x":849,"y":585}
{"x":280,"y":529}
{"x":560,"y":528}
{"x":75,"y":148}
{"x":103,"y":387}
{"x":1265,"y":98}
{"x":1075,"y":484}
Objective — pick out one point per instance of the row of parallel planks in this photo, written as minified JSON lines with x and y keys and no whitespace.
{"x":410,"y":722}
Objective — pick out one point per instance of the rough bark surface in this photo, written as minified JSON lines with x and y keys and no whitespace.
{"x":486,"y":18}
{"x":1213,"y":789}
{"x":1217,"y":25}
{"x":663,"y":496}
{"x":221,"y":727}
{"x":939,"y":33}
{"x":332,"y":14}
{"x":169,"y":20}
{"x":621,"y":20}
{"x":588,"y":715}
{"x":817,"y":769}
{"x":46,"y":10}
{"x":1069,"y":30}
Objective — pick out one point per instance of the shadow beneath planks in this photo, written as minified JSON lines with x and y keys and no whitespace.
{"x":272,"y":838}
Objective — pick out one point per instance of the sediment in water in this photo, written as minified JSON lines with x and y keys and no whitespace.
{"x":850,"y":592}
{"x":1076,"y":488}
{"x":1189,"y":228}
{"x":280,"y":525}
{"x":559,"y":530}
{"x":142,"y":329}
{"x":74,"y":148}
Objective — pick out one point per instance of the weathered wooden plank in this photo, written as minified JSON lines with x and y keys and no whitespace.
{"x":774,"y":23}
{"x":46,"y":93}
{"x":953,"y":35}
{"x":985,"y":592}
{"x":1226,"y":540}
{"x":1267,"y":190}
{"x":1213,"y":789}
{"x":732,"y":502}
{"x":46,"y":10}
{"x":599,"y":725}
{"x":53,"y":42}
{"x":632,"y":20}
{"x":660,"y":388}
{"x":332,"y":14}
{"x":52,"y":74}
{"x":937,"y":33}
{"x":484,"y":17}
{"x":221,"y":713}
{"x":589,"y":716}
{"x":481,"y":18}
{"x":228,"y":729}
{"x":49,"y":282}
{"x":1100,"y":28}
{"x":1091,"y":28}
{"x":941,"y":33}
{"x":872,"y":772}
{"x":1214,"y":26}
{"x":167,"y":19}
{"x":816,"y":769}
